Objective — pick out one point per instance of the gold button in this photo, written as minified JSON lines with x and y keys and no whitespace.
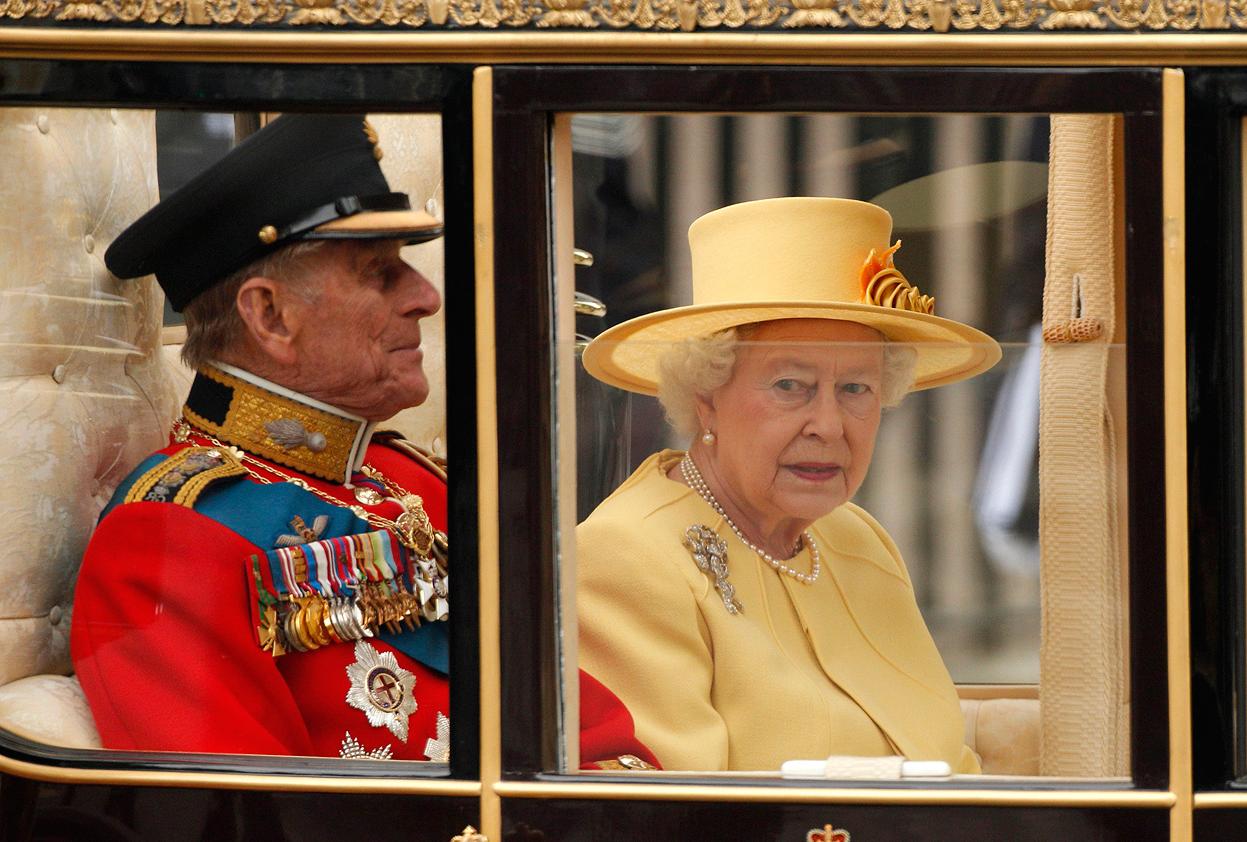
{"x":268,"y":235}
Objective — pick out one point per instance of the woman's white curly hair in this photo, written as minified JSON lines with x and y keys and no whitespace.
{"x":700,"y":365}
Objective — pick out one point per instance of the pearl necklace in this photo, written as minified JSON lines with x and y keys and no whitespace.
{"x":692,"y":476}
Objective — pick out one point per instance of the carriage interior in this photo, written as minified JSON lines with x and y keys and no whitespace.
{"x":1013,"y":524}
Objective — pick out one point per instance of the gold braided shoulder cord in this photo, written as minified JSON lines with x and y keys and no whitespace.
{"x":413,"y":528}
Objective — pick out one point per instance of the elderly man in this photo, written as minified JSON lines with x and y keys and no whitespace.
{"x":275,"y":580}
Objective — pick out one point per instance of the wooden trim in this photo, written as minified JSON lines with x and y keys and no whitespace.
{"x":1138,"y":48}
{"x":269,"y":782}
{"x":1177,"y":578}
{"x":650,"y":791}
{"x":487,"y":456}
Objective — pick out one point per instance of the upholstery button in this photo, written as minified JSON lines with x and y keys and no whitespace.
{"x":58,"y":373}
{"x":112,"y":115}
{"x":56,"y":615}
{"x":431,"y":207}
{"x":42,"y":122}
{"x":88,"y":243}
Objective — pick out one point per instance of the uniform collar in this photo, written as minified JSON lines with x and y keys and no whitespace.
{"x":279,"y":424}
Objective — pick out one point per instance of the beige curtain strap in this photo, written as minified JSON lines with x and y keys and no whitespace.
{"x":1083,"y":670}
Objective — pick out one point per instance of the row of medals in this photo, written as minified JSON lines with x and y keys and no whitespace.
{"x":301,"y":624}
{"x":311,"y":622}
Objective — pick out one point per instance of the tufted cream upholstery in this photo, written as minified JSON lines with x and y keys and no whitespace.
{"x":49,"y":709}
{"x":83,"y":395}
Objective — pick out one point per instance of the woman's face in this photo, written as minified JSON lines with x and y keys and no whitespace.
{"x":795,"y":426}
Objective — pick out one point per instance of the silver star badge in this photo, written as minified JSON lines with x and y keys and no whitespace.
{"x":382,"y":689}
{"x":353,"y":749}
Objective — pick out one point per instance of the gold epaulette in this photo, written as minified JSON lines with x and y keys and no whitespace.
{"x":434,"y":464}
{"x":184,"y":476}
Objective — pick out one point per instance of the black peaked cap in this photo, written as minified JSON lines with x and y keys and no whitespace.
{"x":300,"y":177}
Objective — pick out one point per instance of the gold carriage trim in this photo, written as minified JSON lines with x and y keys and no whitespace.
{"x":658,"y":16}
{"x":884,"y":286}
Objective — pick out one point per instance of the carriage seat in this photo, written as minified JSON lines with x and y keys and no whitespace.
{"x":1004,"y":733}
{"x":83,"y":393}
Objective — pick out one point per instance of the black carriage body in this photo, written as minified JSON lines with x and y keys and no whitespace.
{"x":507,"y":774}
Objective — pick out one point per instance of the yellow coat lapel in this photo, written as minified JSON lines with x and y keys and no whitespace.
{"x":869,"y":637}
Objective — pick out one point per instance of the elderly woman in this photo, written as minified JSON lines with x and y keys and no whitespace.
{"x":742,"y":607}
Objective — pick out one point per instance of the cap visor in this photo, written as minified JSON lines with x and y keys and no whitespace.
{"x":414,"y":226}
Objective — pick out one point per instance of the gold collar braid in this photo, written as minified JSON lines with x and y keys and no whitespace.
{"x":283,"y":427}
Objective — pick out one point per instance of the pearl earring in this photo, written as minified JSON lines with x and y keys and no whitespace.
{"x":708,"y":438}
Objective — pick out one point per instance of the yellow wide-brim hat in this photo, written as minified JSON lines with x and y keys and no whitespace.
{"x":794,"y":258}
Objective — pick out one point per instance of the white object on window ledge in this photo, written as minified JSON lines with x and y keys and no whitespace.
{"x":869,"y":768}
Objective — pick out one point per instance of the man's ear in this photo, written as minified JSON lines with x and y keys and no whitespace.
{"x":272,"y":317}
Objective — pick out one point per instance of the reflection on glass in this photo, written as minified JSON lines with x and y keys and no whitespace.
{"x":740,"y":599}
{"x":272,"y":578}
{"x":185,"y":139}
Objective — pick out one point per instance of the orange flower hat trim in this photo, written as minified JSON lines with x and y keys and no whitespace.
{"x":884,"y":286}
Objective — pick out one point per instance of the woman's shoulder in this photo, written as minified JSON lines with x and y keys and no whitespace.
{"x":640,"y":525}
{"x":646,"y":494}
{"x":850,"y":530}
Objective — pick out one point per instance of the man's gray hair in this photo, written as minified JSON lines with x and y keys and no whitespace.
{"x":213,"y":325}
{"x":697,"y":367}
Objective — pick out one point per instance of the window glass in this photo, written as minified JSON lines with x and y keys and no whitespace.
{"x":948,"y":515}
{"x":185,"y":140}
{"x":262,"y":580}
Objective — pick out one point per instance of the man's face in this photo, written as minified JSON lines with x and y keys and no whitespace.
{"x":359,"y":346}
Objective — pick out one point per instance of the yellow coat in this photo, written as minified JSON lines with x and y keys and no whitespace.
{"x":843,"y":666}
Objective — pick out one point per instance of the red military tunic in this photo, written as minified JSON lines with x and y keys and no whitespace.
{"x":168,"y":631}
{"x":164,"y":634}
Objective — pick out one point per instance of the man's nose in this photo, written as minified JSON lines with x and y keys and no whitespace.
{"x":826,"y":419}
{"x":420,"y":297}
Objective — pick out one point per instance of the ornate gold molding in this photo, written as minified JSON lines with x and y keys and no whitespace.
{"x":123,"y":11}
{"x":657,"y":15}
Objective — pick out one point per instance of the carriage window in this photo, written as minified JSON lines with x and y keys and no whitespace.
{"x":262,"y":579}
{"x":850,"y":460}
